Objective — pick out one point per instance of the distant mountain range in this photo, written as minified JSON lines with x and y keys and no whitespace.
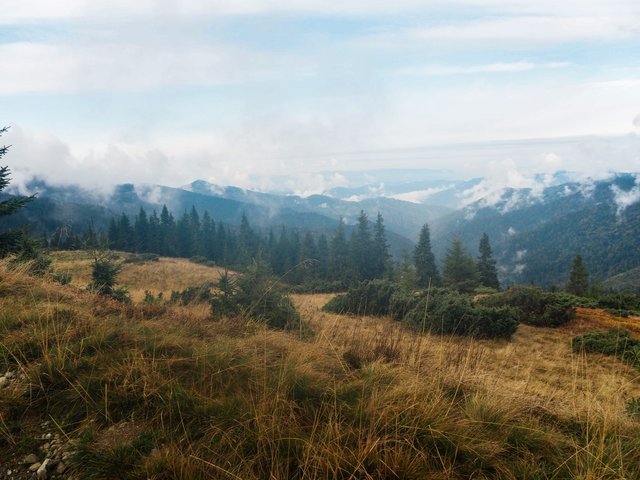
{"x":534,"y":232}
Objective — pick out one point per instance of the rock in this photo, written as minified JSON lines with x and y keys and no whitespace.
{"x":35,"y":467}
{"x":46,"y":446}
{"x":29,"y":459}
{"x":48,"y":436}
{"x":42,"y":471}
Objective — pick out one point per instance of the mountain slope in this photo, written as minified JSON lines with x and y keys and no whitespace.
{"x":535,"y":235}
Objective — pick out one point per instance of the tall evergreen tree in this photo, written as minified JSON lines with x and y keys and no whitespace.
{"x":380,"y":252}
{"x":323,"y":257}
{"x":460,"y":272}
{"x":339,"y":255}
{"x":361,"y":249}
{"x":578,"y":278}
{"x":9,"y":240}
{"x":424,"y":260}
{"x":309,"y":251}
{"x":487,"y":265}
{"x":141,"y":231}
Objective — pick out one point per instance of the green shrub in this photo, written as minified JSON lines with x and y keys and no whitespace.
{"x":142,"y":258}
{"x":620,"y":301}
{"x":256,"y":295}
{"x":534,"y":306}
{"x":449,"y":313}
{"x":104,"y":273}
{"x":401,"y":303}
{"x":193,"y":294}
{"x":633,"y":408}
{"x":63,"y":278}
{"x":320,"y":286}
{"x":366,"y":298}
{"x":616,"y":342}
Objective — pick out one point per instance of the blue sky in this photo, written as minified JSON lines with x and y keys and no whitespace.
{"x":246,"y":91}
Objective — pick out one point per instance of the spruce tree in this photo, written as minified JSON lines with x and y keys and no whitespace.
{"x":487,"y":265}
{"x":424,"y":260}
{"x":9,"y":240}
{"x":578,"y":278}
{"x":361,"y":247}
{"x":381,"y":254}
{"x":460,"y":272}
{"x":339,"y":255}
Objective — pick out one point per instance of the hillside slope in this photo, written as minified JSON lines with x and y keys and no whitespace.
{"x":103,"y":390}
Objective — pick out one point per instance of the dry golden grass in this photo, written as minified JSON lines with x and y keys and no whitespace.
{"x":537,"y":366}
{"x":364,"y":398}
{"x":165,"y":275}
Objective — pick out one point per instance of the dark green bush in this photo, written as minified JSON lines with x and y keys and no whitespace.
{"x":401,"y":303}
{"x":366,"y":298}
{"x":193,"y":294}
{"x":142,"y":258}
{"x":620,"y":301}
{"x":104,"y":273}
{"x":320,"y":286}
{"x":616,"y":342}
{"x":534,"y":306}
{"x":256,"y":295}
{"x":452,"y":313}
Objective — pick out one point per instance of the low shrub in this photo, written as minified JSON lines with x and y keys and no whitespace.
{"x":366,"y":298}
{"x":256,"y":295}
{"x":193,"y":294}
{"x":320,"y":286}
{"x":142,"y":258}
{"x":620,"y":301}
{"x":449,"y":313}
{"x":615,"y":342}
{"x":534,"y":306}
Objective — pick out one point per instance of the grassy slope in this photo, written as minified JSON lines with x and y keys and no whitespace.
{"x":146,"y":392}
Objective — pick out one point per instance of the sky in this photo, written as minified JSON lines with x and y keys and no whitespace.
{"x":281,"y":94}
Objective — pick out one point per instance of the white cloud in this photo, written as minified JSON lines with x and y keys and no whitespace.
{"x":502,"y":67}
{"x":529,"y":30}
{"x":420,"y":196}
{"x":626,"y":198}
{"x":76,"y":68}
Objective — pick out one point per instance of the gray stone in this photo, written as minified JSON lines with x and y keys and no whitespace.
{"x":48,"y":436}
{"x":29,"y":459}
{"x":42,"y":471}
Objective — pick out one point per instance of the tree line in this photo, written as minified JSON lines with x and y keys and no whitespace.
{"x":300,"y":257}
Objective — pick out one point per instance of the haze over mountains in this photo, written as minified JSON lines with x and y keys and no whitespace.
{"x":534,"y":231}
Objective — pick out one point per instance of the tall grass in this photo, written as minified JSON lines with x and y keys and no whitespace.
{"x":178,"y":395}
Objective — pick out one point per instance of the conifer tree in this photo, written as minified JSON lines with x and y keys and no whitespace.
{"x":578,"y":278}
{"x":339,"y":255}
{"x":424,"y":260}
{"x":460,"y":272}
{"x":487,"y":265}
{"x":323,"y":256}
{"x":380,"y":252}
{"x":9,"y":240}
{"x":361,"y":249}
{"x":141,"y":232}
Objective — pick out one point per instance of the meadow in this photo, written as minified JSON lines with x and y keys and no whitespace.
{"x":164,"y":391}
